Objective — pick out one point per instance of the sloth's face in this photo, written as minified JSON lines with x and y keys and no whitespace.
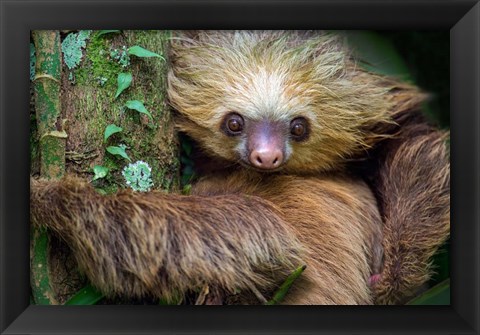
{"x":275,"y":100}
{"x":264,"y":144}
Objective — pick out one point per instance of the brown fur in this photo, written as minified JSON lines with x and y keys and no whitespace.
{"x":242,"y":230}
{"x":335,"y":218}
{"x":136,"y":244}
{"x":414,"y":188}
{"x":165,"y":244}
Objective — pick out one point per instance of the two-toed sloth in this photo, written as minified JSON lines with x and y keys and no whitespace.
{"x":318,"y":162}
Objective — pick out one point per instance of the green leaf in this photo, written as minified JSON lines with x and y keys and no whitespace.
{"x":282,"y":291}
{"x":437,"y":295}
{"x":187,"y":189}
{"x":141,"y":52}
{"x":118,"y":151}
{"x":101,"y":191}
{"x":139,"y":107}
{"x":124,"y":80}
{"x":103,"y":32}
{"x":100,"y":172}
{"x":171,"y":301}
{"x":110,"y":130}
{"x":88,"y":295}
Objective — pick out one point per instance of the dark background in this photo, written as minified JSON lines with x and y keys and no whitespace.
{"x":427,"y":55}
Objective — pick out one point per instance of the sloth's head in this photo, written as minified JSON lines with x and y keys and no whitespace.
{"x":273,"y":100}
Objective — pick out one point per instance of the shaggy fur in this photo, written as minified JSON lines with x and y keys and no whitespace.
{"x":138,"y":245}
{"x":414,"y":187}
{"x":279,"y":76}
{"x":382,"y":216}
{"x":335,"y":218}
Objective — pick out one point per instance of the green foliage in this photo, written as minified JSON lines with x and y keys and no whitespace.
{"x":141,"y":52}
{"x":283,"y":290}
{"x":118,"y":151}
{"x":72,"y":47}
{"x":99,"y":66}
{"x":124,"y":80}
{"x":121,"y":56}
{"x":110,"y":130}
{"x":378,"y":54}
{"x":102,"y":80}
{"x":104,"y":32}
{"x":187,"y":189}
{"x":33,"y":61}
{"x":437,"y":295}
{"x":88,"y":295}
{"x":138,"y":176}
{"x":100,"y":172}
{"x":428,"y":57}
{"x":188,"y":170}
{"x":139,"y":107}
{"x":101,"y":191}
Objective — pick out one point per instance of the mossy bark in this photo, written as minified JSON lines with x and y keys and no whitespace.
{"x":52,"y":148}
{"x":88,"y":106}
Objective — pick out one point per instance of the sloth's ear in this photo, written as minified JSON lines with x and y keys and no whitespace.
{"x":406,"y":102}
{"x":400,"y":96}
{"x":400,"y":104}
{"x":405,"y":107}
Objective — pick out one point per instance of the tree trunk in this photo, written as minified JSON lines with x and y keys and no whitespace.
{"x":51,"y":147}
{"x":89,"y":106}
{"x":91,"y":63}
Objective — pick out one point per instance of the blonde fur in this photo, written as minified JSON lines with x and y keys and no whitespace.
{"x":279,"y":75}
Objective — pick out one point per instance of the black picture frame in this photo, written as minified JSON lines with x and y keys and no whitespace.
{"x":18,"y":18}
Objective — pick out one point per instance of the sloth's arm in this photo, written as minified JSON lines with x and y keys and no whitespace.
{"x":413,"y":185}
{"x":409,"y":172}
{"x":162,"y":244}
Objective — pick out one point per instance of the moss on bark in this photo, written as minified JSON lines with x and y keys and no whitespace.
{"x":90,"y":106}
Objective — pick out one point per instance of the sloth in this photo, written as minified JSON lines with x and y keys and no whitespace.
{"x":306,"y":159}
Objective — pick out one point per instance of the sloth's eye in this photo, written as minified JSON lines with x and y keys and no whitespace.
{"x":233,"y":124}
{"x":299,"y":129}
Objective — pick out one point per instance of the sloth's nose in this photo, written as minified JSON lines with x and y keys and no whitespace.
{"x":266,"y":158}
